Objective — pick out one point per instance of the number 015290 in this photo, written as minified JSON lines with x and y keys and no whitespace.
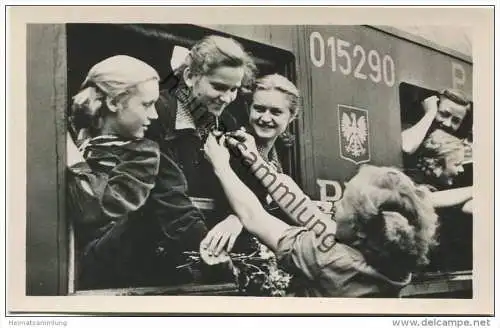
{"x":352,"y":59}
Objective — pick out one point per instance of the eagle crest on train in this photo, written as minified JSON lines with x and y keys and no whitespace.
{"x":354,"y":134}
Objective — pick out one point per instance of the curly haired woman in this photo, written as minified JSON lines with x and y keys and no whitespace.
{"x":385,"y":225}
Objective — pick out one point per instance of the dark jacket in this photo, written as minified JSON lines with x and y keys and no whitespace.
{"x":126,"y":200}
{"x":184,"y":147}
{"x":254,"y":184}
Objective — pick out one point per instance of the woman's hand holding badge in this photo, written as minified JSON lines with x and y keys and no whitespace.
{"x":216,"y":152}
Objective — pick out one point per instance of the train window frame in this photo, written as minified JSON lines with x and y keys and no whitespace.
{"x":47,"y":257}
{"x":410,"y":97}
{"x":185,"y":35}
{"x":181,"y":35}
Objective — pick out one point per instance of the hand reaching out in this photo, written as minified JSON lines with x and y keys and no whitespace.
{"x":222,"y":236}
{"x":215,"y":151}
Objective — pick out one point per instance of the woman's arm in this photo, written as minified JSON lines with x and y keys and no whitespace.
{"x":179,"y":219}
{"x":285,"y":192}
{"x":246,"y":205}
{"x":412,"y":138}
{"x":467,"y":208}
{"x":451,"y":197}
{"x":291,"y":199}
{"x":249,"y":210}
{"x":126,"y":185}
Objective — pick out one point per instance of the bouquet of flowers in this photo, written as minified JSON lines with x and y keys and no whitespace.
{"x":256,"y":274}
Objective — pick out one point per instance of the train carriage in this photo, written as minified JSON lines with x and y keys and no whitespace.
{"x":369,"y":77}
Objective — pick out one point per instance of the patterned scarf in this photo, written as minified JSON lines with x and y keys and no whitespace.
{"x":191,"y":113}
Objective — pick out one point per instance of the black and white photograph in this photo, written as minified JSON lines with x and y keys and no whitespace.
{"x":252,"y":161}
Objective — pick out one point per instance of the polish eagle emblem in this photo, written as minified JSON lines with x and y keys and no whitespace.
{"x":354,"y":134}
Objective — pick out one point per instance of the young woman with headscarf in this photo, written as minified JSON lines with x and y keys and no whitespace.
{"x":127,"y":199}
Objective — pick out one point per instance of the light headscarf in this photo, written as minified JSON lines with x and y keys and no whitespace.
{"x":110,"y":77}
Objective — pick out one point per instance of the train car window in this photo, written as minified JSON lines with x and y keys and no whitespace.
{"x":155,"y":44}
{"x":440,"y":156}
{"x":164,"y":47}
